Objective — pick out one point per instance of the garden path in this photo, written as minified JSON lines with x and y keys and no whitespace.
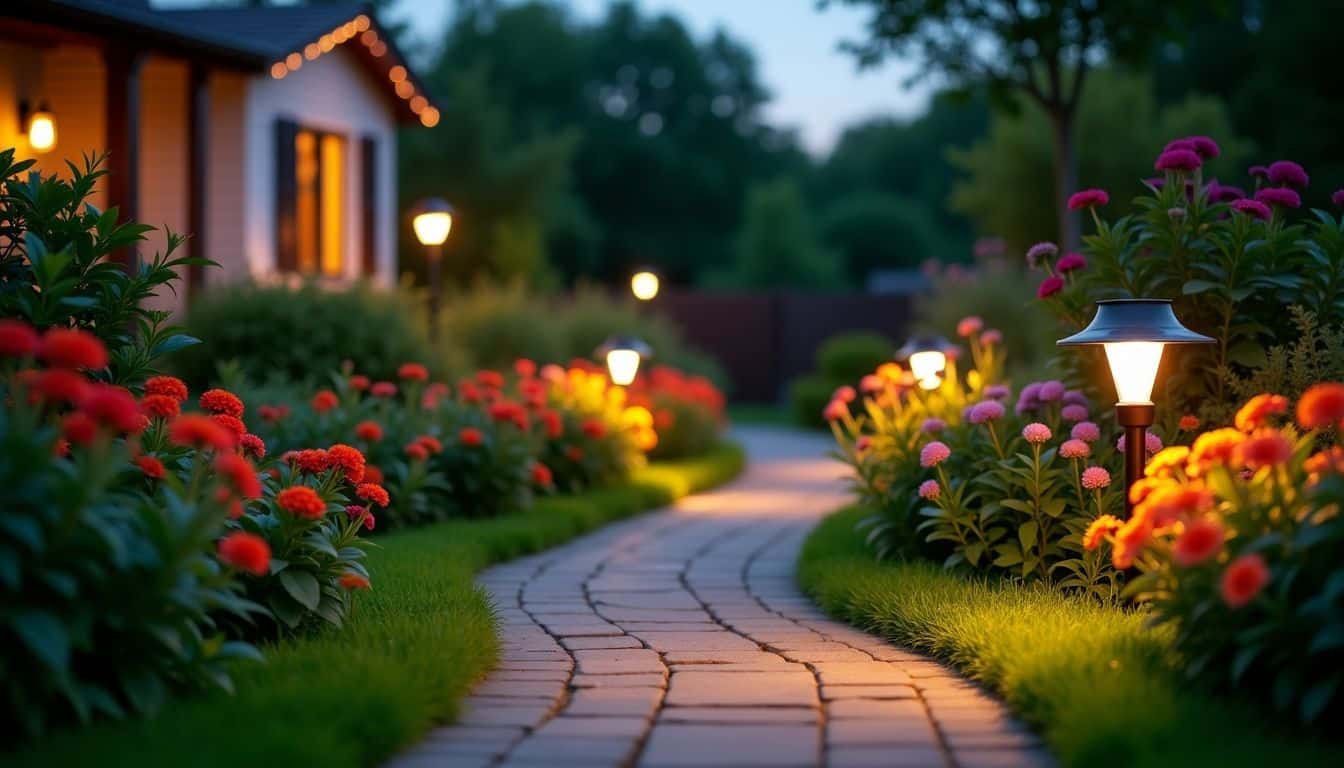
{"x":680,"y":639}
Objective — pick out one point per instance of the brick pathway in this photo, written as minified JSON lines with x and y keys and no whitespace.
{"x":679,"y":639}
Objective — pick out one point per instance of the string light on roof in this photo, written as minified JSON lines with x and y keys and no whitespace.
{"x":405,"y":90}
{"x":294,"y":60}
{"x":311,"y":51}
{"x":396,"y":74}
{"x":430,"y":117}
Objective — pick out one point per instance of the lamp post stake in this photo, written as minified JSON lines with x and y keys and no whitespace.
{"x":1136,"y":418}
{"x":435,"y":288}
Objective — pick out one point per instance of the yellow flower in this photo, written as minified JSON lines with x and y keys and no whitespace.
{"x":1166,"y":461}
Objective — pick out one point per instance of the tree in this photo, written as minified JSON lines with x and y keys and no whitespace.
{"x":777,"y":245}
{"x":871,"y":231}
{"x":1040,"y":49}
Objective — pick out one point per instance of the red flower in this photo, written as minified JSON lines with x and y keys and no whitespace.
{"x":349,"y":460}
{"x":273,"y":413}
{"x":373,"y":474}
{"x":1257,"y":411}
{"x":1050,"y":286}
{"x":18,"y":339}
{"x":416,"y":451}
{"x":369,"y":431}
{"x":471,"y":437}
{"x":353,"y":581}
{"x":552,"y":423}
{"x":1243,"y":580}
{"x":524,"y":368}
{"x":245,"y":552}
{"x":359,"y":383}
{"x":252,"y":446}
{"x":113,"y":407}
{"x":151,"y":467}
{"x":1201,"y":540}
{"x":78,"y":428}
{"x":160,"y":407}
{"x":222,"y":401}
{"x":231,"y":423}
{"x":413,"y":372}
{"x":383,"y":389}
{"x":431,"y":443}
{"x":1321,"y":406}
{"x":1188,"y":423}
{"x":238,"y":475}
{"x":324,"y":401}
{"x":195,"y":430}
{"x":313,"y":461}
{"x":168,"y":386}
{"x":574,"y":453}
{"x":594,"y":429}
{"x":59,"y":385}
{"x":71,"y":348}
{"x":469,"y":392}
{"x":541,"y":475}
{"x":372,"y":493}
{"x":302,"y":501}
{"x":490,"y":379}
{"x":1265,"y":448}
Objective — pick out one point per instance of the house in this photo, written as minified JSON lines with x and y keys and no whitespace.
{"x":268,"y":134}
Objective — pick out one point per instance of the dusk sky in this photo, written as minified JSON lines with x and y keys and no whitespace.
{"x":816,"y":87}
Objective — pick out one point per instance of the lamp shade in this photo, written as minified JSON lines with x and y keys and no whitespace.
{"x":1134,"y":320}
{"x":623,"y":355}
{"x":432,"y":219}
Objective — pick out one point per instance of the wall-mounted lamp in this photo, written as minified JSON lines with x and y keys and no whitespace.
{"x":39,"y":125}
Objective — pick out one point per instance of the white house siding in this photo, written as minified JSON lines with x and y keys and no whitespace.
{"x":164,"y":163}
{"x":332,"y":93}
{"x":226,"y":189}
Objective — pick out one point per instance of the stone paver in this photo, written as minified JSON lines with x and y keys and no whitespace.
{"x":679,"y":639}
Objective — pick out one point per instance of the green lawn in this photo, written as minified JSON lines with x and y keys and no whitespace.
{"x":1097,"y":684}
{"x":416,"y":644}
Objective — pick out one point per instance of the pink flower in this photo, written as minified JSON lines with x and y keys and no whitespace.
{"x":1086,"y":431}
{"x":1095,"y":478}
{"x":1224,"y":193}
{"x":1178,"y":160}
{"x":871,"y":384}
{"x":1040,"y":252}
{"x":1280,"y":196}
{"x":1075,"y":397}
{"x":1073,"y":413}
{"x":995,"y":336}
{"x":1050,"y":286}
{"x":863,"y":443}
{"x":1088,"y":198}
{"x":1258,"y":172}
{"x":985,"y":410}
{"x":845,"y":394}
{"x":1203,"y":146}
{"x":997,"y":392}
{"x":1051,"y":391}
{"x":1287,"y":173}
{"x":1152,"y":443}
{"x":1075,"y":449}
{"x":1243,"y":580}
{"x":929,"y":490}
{"x":1338,"y":197}
{"x":1036,"y":433}
{"x":933,"y":454}
{"x":835,"y":410}
{"x":1071,"y":261}
{"x":932,"y":425}
{"x":969,"y":326}
{"x":1253,"y":208}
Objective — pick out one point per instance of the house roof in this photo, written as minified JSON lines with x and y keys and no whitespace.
{"x":273,"y":40}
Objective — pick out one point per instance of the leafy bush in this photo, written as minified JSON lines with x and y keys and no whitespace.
{"x":1237,"y":539}
{"x":841,"y":361}
{"x":275,"y":332}
{"x":687,"y":411}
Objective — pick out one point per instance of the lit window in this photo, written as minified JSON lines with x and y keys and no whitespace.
{"x":319,"y":203}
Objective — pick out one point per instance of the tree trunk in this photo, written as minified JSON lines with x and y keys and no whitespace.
{"x":1066,"y":178}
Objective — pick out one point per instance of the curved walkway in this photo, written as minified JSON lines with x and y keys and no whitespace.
{"x":679,"y":639}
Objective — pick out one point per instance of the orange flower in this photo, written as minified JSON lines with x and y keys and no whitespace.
{"x":1331,"y":460}
{"x":1130,"y":539}
{"x":349,"y":460}
{"x":373,"y":474}
{"x":369,"y":431}
{"x":1144,"y":486}
{"x":1321,"y":406}
{"x":372,"y":493}
{"x":302,"y":501}
{"x":1212,"y":449}
{"x":195,"y":430}
{"x":246,"y":552}
{"x":1198,"y":542}
{"x":1256,"y":412}
{"x":1097,"y":531}
{"x":222,"y":401}
{"x":353,"y":581}
{"x":1188,"y":423}
{"x":1265,"y":448}
{"x":325,"y":400}
{"x":1167,"y":461}
{"x":1243,"y":580}
{"x":314,"y":461}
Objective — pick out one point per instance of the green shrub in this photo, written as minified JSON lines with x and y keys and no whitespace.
{"x":274,"y":332}
{"x":808,"y":395}
{"x":850,"y":356}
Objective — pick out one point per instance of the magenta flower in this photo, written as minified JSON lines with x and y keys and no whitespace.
{"x":1338,"y":197}
{"x":1050,"y":286}
{"x":929,"y":490}
{"x":1072,"y":413}
{"x":985,"y":410}
{"x":932,"y":425}
{"x":1036,"y":433}
{"x":969,"y":326}
{"x":1287,"y":173}
{"x":1178,"y":160}
{"x":1075,"y":397}
{"x":1088,"y":198}
{"x":1253,"y":208}
{"x":1175,"y":144}
{"x":994,"y":336}
{"x":1051,"y":391}
{"x":1040,"y":252}
{"x":996,"y":392}
{"x":1280,"y":196}
{"x":933,"y":454}
{"x":1258,"y":172}
{"x":1086,"y":431}
{"x":1075,"y":449}
{"x":1205,"y":147}
{"x":1029,"y":398}
{"x":1224,"y":193}
{"x":1070,"y":261}
{"x":844,"y":394}
{"x":1096,"y":478}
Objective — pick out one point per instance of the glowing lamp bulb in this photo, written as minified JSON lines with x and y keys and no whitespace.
{"x":644,"y":285}
{"x":432,"y":228}
{"x":623,"y":364}
{"x":1134,"y":368}
{"x":42,"y":131}
{"x":927,"y":366}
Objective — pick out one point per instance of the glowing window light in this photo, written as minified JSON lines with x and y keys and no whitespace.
{"x":42,"y":130}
